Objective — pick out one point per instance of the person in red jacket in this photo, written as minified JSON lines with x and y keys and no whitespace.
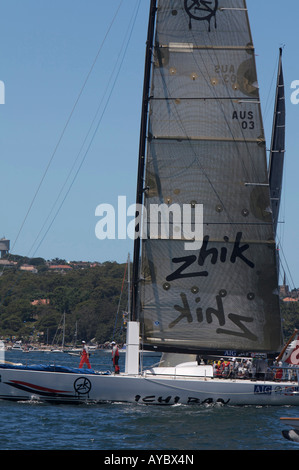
{"x":115,"y":357}
{"x":84,"y":356}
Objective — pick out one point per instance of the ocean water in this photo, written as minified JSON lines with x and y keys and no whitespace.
{"x":123,"y":427}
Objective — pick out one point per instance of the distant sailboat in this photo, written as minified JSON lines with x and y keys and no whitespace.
{"x":201,"y":143}
{"x":61,"y":327}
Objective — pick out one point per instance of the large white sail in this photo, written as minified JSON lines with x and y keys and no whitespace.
{"x":206,"y":146}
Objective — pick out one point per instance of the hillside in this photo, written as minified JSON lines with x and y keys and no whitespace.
{"x":35,"y":293}
{"x":32,"y":302}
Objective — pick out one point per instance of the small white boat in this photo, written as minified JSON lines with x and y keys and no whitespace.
{"x":17,"y":346}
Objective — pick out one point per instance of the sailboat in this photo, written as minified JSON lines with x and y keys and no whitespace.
{"x":205,"y":284}
{"x":62,"y":328}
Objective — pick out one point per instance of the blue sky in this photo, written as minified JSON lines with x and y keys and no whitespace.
{"x":47,"y":49}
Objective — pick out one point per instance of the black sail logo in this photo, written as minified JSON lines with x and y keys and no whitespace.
{"x":201,"y":10}
{"x":196,"y":266}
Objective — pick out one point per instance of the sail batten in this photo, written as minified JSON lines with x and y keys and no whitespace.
{"x":206,"y":146}
{"x":189,"y":47}
{"x":204,"y":138}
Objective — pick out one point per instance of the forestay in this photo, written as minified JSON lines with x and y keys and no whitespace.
{"x":206,"y":146}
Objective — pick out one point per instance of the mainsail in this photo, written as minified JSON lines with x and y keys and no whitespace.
{"x":206,"y":146}
{"x":277,"y":145}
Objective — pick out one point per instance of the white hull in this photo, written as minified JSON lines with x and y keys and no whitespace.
{"x":81,"y":386}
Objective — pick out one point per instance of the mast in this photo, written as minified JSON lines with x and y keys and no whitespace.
{"x":63,"y":330}
{"x":277,"y":146}
{"x":129,"y":286}
{"x":142,"y":147}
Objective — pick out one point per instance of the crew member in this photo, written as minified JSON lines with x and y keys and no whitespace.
{"x":115,"y":357}
{"x":84,"y":356}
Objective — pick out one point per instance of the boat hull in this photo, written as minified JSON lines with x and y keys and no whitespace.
{"x":78,"y":387}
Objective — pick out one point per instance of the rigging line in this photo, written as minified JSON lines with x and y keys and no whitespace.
{"x":267,"y":105}
{"x":95,"y":131}
{"x":282,"y":210}
{"x":286,"y":265}
{"x":113,"y":20}
{"x":86,"y":137}
{"x":118,"y":307}
{"x":293,"y":309}
{"x":66,"y":124}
